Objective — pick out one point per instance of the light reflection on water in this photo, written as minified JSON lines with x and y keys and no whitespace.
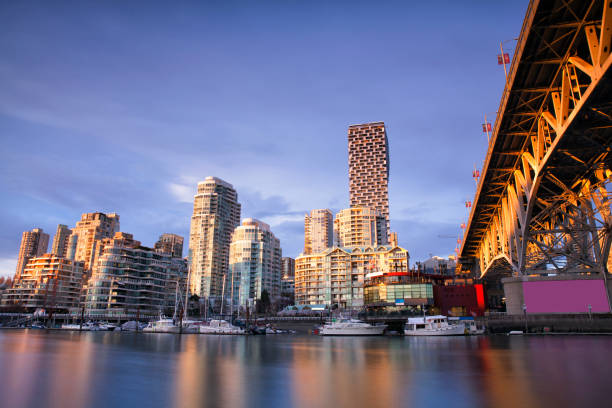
{"x":59,"y":369}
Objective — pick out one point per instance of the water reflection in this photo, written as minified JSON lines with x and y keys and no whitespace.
{"x":59,"y":369}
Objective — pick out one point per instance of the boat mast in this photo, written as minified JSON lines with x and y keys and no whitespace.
{"x":185,"y":306}
{"x":222,"y":295}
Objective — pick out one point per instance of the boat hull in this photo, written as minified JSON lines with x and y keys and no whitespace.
{"x":361,"y":331}
{"x":450,"y":331}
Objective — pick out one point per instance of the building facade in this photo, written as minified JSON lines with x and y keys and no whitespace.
{"x":318,"y":231}
{"x":60,"y":240}
{"x":437,"y":265}
{"x":33,"y":243}
{"x":255,"y":262}
{"x":47,"y":282}
{"x":216,"y":213}
{"x":337,"y":275}
{"x":170,"y":244}
{"x":368,"y":151}
{"x":288,"y":276}
{"x":360,"y":226}
{"x":85,"y":242}
{"x":128,"y":278}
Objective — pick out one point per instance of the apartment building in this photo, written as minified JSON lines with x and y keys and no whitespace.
{"x":33,"y":244}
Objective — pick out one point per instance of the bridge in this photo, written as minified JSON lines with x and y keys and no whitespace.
{"x":542,"y":202}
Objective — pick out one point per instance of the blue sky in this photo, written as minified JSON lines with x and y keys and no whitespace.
{"x":124,"y":106}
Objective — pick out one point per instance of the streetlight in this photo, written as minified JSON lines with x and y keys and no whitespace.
{"x":525,"y":314}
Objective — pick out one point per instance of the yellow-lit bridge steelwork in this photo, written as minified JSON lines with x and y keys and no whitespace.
{"x":542,"y":203}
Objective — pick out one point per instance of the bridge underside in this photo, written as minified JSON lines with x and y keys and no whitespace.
{"x":542,"y":205}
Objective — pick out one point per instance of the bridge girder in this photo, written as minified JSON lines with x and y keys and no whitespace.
{"x":549,"y":210}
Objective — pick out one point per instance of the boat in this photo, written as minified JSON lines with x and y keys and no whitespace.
{"x":351,"y":327}
{"x":432,"y":326}
{"x":220,"y":327}
{"x":162,"y":325}
{"x":89,"y":326}
{"x":469,"y":324}
{"x":107,"y":326}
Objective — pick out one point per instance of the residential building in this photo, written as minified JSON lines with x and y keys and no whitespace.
{"x":288,"y":276}
{"x":318,"y":231}
{"x":170,"y":244}
{"x":368,"y":151}
{"x":60,"y":241}
{"x":360,"y":226}
{"x":337,"y":275}
{"x":128,"y":278}
{"x":255,"y":262}
{"x":437,"y":265}
{"x":49,"y":282}
{"x":216,"y":213}
{"x":33,"y":243}
{"x":87,"y":236}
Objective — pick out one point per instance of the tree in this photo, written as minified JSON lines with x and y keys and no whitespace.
{"x":264,"y":302}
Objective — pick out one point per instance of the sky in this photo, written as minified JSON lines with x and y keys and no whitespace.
{"x":123,"y":107}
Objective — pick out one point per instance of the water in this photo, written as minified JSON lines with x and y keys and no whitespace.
{"x":71,"y":369}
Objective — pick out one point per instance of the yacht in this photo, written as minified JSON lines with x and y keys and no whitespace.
{"x":351,"y":327}
{"x":220,"y":327}
{"x":432,"y":326}
{"x":469,"y":324}
{"x":162,"y":325}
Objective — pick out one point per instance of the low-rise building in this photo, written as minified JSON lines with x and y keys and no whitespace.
{"x":397,"y":289}
{"x":47,"y":282}
{"x":337,"y":275}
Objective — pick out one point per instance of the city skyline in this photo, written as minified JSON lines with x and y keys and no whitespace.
{"x":128,"y":139}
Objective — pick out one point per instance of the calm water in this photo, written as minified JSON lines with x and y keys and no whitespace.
{"x":59,"y":369}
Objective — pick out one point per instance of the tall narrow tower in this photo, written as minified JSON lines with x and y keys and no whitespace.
{"x":318,"y":231}
{"x":369,"y":167}
{"x":33,"y":243}
{"x":216,"y":212}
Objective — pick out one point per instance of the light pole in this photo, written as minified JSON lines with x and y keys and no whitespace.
{"x":525,"y":314}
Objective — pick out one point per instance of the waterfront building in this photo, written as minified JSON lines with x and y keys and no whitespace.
{"x":130,"y":278}
{"x":60,"y":240}
{"x":288,"y":277}
{"x":170,"y":244}
{"x":337,"y":275}
{"x":368,"y":152}
{"x":216,"y":213}
{"x":318,"y":231}
{"x":33,"y":243}
{"x":85,"y":243}
{"x":437,"y":265}
{"x":397,"y":290}
{"x":49,"y":282}
{"x":360,"y":226}
{"x":255,"y":262}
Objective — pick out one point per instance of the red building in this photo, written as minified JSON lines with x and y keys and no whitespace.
{"x":460,"y":300}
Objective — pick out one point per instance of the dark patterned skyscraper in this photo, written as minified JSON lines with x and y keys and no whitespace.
{"x":369,"y":167}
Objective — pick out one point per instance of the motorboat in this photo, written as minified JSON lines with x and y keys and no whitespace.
{"x":107,"y":326}
{"x":89,"y":326}
{"x":432,"y":326}
{"x":220,"y":327}
{"x":351,"y":327}
{"x":162,"y":325}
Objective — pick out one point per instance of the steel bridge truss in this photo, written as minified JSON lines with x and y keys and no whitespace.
{"x":553,"y":215}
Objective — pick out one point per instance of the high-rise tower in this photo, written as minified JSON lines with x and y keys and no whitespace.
{"x":255,"y":262}
{"x":85,"y":242}
{"x":216,"y":212}
{"x":318,"y":231}
{"x":60,"y":240}
{"x":369,"y":167}
{"x":33,"y":243}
